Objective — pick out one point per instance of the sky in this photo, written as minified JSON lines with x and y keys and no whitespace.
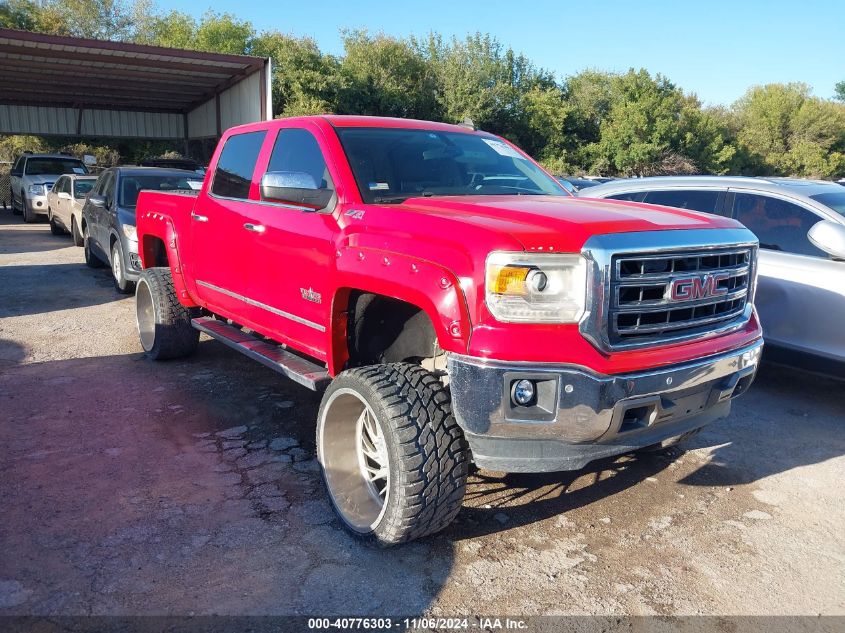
{"x":716,"y":49}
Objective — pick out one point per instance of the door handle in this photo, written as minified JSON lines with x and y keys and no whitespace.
{"x":198,"y":217}
{"x":255,"y":228}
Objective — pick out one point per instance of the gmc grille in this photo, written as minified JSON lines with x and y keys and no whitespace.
{"x":644,"y":309}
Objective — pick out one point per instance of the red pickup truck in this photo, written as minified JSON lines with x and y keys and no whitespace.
{"x":455,"y":302}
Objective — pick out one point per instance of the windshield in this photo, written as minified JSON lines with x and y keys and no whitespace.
{"x":82,"y":187}
{"x":54,"y":166}
{"x":392,"y":164}
{"x":835,"y":200}
{"x":131,"y":186}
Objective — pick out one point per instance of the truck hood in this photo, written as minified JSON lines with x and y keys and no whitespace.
{"x":561,"y":223}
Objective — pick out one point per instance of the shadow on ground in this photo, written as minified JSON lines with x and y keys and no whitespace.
{"x":31,"y":289}
{"x":786,"y":420}
{"x":29,"y":238}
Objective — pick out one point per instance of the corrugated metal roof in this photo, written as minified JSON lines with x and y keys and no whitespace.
{"x":54,"y":73}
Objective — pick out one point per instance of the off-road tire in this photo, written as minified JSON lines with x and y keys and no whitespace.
{"x":170,"y":332}
{"x":121,"y":283}
{"x":55,"y":229}
{"x":91,"y":260}
{"x":428,"y":453}
{"x":74,"y":231}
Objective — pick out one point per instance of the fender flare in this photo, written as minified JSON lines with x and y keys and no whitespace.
{"x":431,"y":287}
{"x":156,"y":226}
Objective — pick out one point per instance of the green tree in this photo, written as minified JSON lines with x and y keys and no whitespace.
{"x":19,"y":14}
{"x":385,"y":76}
{"x":481,"y":79}
{"x":224,"y":33}
{"x":642,"y":130}
{"x":98,"y":19}
{"x":839,"y":91}
{"x":792,"y":132}
{"x":173,"y":29}
{"x":304,"y":80}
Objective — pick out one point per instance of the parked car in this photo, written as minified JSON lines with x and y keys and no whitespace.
{"x":64,"y":205}
{"x":32,"y":178}
{"x":458,"y":303}
{"x":188,"y":164}
{"x":801,"y":228}
{"x":576,"y":184}
{"x":108,"y":217}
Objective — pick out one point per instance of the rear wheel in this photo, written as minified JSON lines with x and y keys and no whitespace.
{"x":90,"y":258}
{"x":74,"y":231}
{"x":55,"y":229}
{"x":16,"y":209}
{"x":164,"y":324}
{"x":118,"y":270}
{"x":393,"y":458}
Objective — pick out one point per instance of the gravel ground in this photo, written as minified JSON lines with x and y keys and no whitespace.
{"x":190,"y":487}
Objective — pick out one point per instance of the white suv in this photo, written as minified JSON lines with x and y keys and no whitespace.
{"x":801,"y":227}
{"x":32,"y":178}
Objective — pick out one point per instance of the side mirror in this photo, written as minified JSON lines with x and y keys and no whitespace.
{"x":830,"y":237}
{"x":295,"y":188}
{"x":97,"y":201}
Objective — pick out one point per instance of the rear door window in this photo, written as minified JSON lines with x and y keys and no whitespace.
{"x":233,"y":173}
{"x":778,"y":224}
{"x":695,"y":200}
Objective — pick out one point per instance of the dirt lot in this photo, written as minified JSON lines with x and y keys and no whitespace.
{"x":128,"y":487}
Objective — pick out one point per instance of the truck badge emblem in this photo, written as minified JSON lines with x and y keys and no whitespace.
{"x":355,"y":214}
{"x":309,"y":295}
{"x":698,"y":287}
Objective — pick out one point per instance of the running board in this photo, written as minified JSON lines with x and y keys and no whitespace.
{"x":302,"y":370}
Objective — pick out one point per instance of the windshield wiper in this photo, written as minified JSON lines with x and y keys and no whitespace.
{"x":390,"y":199}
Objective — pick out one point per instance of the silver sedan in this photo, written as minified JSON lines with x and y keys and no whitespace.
{"x":64,"y":204}
{"x":801,"y":227}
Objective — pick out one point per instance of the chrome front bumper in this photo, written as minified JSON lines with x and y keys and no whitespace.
{"x":579,"y":416}
{"x":36,"y":204}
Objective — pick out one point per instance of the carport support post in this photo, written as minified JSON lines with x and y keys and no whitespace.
{"x":79,"y":122}
{"x":187,"y":148}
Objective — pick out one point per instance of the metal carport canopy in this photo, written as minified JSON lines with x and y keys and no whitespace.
{"x":68,"y":86}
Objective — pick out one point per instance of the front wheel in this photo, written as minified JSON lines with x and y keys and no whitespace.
{"x":28,"y":216}
{"x":118,"y":270}
{"x":393,"y":457}
{"x":55,"y":229}
{"x":164,"y":324}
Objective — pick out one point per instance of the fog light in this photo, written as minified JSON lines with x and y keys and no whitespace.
{"x":523,"y":392}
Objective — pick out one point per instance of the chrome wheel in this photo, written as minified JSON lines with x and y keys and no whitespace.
{"x":372,"y":454}
{"x":355,"y":459}
{"x":145,"y":315}
{"x":116,"y":266}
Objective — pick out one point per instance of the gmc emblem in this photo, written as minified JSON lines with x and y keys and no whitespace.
{"x":698,"y":287}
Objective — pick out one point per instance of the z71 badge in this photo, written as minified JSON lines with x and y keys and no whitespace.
{"x":309,"y":295}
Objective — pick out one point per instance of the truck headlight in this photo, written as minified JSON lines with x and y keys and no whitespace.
{"x":36,"y":190}
{"x":130,"y":232}
{"x":536,"y":287}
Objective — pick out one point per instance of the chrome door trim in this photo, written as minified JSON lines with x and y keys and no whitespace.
{"x":263,"y":306}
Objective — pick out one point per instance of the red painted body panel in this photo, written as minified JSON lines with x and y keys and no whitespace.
{"x":427,"y":251}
